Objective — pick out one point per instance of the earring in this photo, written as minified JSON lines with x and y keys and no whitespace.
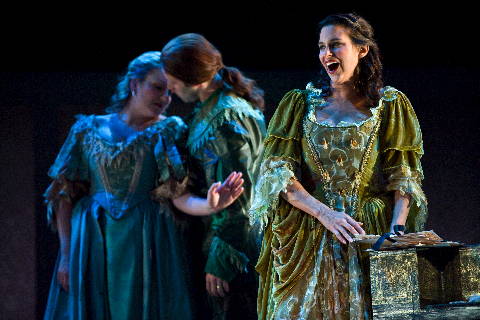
{"x":133,"y":93}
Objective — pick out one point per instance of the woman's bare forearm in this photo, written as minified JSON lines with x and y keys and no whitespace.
{"x":298,"y":197}
{"x":339,"y":223}
{"x":64,"y":225}
{"x":192,"y":204}
{"x":400,"y":209}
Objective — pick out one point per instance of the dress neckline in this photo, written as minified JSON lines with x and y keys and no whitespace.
{"x":130,"y":138}
{"x":315,"y":99}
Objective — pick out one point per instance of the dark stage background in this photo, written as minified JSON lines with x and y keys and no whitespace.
{"x":56,"y":65}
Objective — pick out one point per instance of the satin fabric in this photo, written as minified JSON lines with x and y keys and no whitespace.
{"x":126,"y":256}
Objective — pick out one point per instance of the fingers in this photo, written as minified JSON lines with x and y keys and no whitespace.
{"x":232,"y":185}
{"x":209,"y":285}
{"x":238,"y":178}
{"x":215,"y":286}
{"x":226,"y":286}
{"x":339,"y":236}
{"x":213,"y":196}
{"x":345,"y":234}
{"x":232,"y":179}
{"x":235,"y":178}
{"x":349,"y":226}
{"x":236,"y":187}
{"x":356,"y":225}
{"x":342,"y":234}
{"x":345,"y":227}
{"x":214,"y":187}
{"x":237,"y":193}
{"x":237,"y":184}
{"x":212,"y":286}
{"x":219,"y":287}
{"x":222,"y":287}
{"x":62,"y":278}
{"x":66,"y":284}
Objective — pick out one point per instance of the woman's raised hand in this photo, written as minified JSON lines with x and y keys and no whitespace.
{"x":221,"y":195}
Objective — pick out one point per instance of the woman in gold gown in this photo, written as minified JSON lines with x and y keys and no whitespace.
{"x":341,"y":158}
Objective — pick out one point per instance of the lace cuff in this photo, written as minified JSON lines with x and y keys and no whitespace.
{"x":407,"y":181}
{"x":62,"y":189}
{"x":275,"y":175}
{"x":171,"y":189}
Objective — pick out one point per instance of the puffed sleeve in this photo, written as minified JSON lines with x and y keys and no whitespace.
{"x":282,"y":156}
{"x":169,"y":153}
{"x":402,"y":149}
{"x":69,"y":171}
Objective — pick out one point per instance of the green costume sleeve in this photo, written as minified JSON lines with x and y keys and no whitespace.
{"x":235,"y":146}
{"x":402,"y":148}
{"x":69,"y":171}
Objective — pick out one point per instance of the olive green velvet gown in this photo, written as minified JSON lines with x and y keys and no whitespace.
{"x":305,"y":273}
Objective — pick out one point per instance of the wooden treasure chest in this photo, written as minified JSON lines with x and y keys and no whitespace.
{"x":438,"y":280}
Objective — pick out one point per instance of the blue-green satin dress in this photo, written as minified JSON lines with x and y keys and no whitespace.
{"x":126,"y":257}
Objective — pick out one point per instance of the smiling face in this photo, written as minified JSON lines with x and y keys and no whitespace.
{"x":338,"y":54}
{"x":152,"y":96}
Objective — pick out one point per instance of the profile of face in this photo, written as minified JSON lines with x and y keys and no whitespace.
{"x":338,"y":54}
{"x":152,"y":96}
{"x":185,"y":92}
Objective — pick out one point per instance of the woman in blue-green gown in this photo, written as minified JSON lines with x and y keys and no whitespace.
{"x":115,"y":183}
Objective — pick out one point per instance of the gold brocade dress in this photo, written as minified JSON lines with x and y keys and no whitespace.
{"x":305,"y":273}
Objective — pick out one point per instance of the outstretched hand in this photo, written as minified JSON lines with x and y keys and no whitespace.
{"x":221,"y":195}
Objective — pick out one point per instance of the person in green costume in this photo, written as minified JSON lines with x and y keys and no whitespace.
{"x":226,"y":132}
{"x":115,"y":182}
{"x":341,"y":158}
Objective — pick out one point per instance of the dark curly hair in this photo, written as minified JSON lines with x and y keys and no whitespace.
{"x":368,"y":81}
{"x":193,"y":59}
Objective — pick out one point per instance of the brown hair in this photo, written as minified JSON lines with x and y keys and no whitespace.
{"x":193,"y":59}
{"x":368,"y":81}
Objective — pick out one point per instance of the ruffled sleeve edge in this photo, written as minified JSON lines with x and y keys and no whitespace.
{"x":174,"y":182}
{"x":62,"y":189}
{"x":63,"y":186}
{"x":276,"y":173}
{"x":224,"y":261}
{"x":407,"y":181}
